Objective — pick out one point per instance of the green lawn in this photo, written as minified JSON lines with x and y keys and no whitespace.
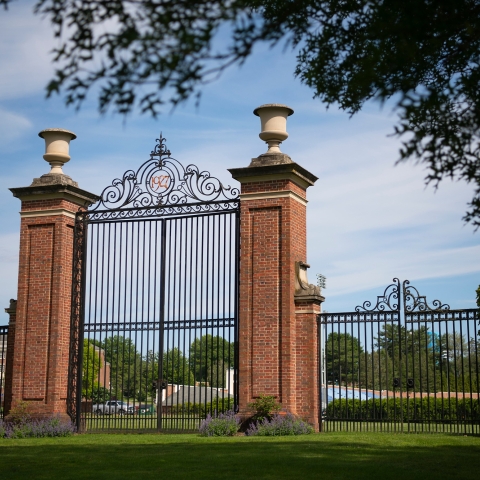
{"x":324,"y":456}
{"x":112,"y":423}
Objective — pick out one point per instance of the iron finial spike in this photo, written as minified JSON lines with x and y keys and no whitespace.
{"x":160,"y":149}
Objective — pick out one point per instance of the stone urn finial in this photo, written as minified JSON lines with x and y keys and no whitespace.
{"x":273,"y":117}
{"x":57,"y":143}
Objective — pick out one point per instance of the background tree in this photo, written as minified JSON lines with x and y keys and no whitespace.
{"x":391,"y":338}
{"x":125,"y":366}
{"x":210,"y":356}
{"x":92,"y":363}
{"x":176,"y":369}
{"x":423,"y":55}
{"x":342,"y":355}
{"x":376,"y":371}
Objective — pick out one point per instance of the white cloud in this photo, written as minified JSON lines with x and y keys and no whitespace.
{"x":24,"y":52}
{"x":370,"y":221}
{"x":12,"y":126}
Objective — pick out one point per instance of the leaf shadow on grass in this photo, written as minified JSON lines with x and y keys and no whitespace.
{"x":241,"y":459}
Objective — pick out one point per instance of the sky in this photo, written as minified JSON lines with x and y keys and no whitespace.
{"x":368,"y":220}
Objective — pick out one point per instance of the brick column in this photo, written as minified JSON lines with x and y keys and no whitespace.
{"x":277,"y":330}
{"x":8,"y":373}
{"x":40,"y":360}
{"x":307,"y":306}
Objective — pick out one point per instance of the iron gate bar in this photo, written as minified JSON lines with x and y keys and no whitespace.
{"x":3,"y":366}
{"x":162,"y":242}
{"x":421,"y":339}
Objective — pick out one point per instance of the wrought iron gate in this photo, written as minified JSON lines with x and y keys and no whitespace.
{"x":154,"y":303}
{"x":400,"y":365}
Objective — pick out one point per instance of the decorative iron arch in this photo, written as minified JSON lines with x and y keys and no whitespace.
{"x":413,"y":301}
{"x":162,"y":181}
{"x":388,"y":302}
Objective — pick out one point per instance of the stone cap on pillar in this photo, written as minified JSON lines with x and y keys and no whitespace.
{"x":67,"y":191}
{"x":283,"y":171}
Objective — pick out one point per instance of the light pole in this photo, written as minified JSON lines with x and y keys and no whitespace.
{"x":321,"y":280}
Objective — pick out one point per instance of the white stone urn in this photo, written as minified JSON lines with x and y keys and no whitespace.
{"x":57,"y":144}
{"x":273,"y":117}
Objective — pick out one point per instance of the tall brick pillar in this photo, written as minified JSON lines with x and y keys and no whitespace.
{"x":49,"y":204}
{"x":278,"y":329}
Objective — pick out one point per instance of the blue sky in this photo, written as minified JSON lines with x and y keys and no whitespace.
{"x":368,"y":220}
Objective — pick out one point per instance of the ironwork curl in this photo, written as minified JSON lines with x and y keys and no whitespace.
{"x":414,"y":301}
{"x":389,"y":301}
{"x":163,"y":180}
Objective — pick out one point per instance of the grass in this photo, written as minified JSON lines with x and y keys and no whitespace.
{"x":148,"y":424}
{"x":325,"y":456}
{"x":94,"y":423}
{"x":398,"y":427}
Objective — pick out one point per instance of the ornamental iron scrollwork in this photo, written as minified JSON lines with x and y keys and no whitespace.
{"x":413,"y":301}
{"x":163,"y":181}
{"x":75,"y":360}
{"x":389,"y":301}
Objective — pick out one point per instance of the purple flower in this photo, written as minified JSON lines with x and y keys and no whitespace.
{"x":279,"y":425}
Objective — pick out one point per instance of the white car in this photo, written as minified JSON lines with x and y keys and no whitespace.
{"x":115,"y":407}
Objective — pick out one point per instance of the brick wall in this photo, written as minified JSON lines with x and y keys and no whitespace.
{"x":42,"y":328}
{"x":307,"y":361}
{"x":278,"y":347}
{"x":43,"y":310}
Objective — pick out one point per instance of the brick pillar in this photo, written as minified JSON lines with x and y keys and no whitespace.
{"x":277,"y":328}
{"x":8,"y":374}
{"x":307,"y":306}
{"x":41,"y":346}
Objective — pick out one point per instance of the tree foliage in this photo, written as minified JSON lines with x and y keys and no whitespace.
{"x":342,"y":357}
{"x":210,"y":357}
{"x":176,"y":369}
{"x":92,"y":363}
{"x":435,"y":362}
{"x":421,"y":54}
{"x":125,"y":363}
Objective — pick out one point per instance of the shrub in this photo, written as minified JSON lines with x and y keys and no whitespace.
{"x":279,"y":425}
{"x":222,"y":425}
{"x":20,"y":413}
{"x":220,"y":405}
{"x":46,"y":427}
{"x":413,"y":409}
{"x":265,"y":407}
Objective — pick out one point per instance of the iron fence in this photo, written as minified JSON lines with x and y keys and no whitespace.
{"x":400,"y":365}
{"x":154,"y":310}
